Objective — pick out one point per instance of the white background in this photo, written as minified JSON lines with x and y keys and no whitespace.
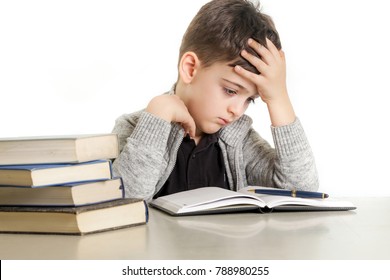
{"x":70,"y":67}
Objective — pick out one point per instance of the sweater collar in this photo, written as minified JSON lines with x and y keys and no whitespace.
{"x":236,"y":131}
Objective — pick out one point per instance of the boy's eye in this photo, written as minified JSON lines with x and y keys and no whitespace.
{"x":251,"y":100}
{"x":229,"y":91}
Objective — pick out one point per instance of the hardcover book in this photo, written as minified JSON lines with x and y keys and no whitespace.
{"x":93,"y":218}
{"x":58,"y":149}
{"x":210,"y":200}
{"x":77,"y":194}
{"x":54,"y":174}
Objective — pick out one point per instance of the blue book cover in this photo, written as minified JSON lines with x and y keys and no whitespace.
{"x":37,"y":175}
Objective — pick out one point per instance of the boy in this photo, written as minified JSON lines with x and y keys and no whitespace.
{"x":197,"y":134}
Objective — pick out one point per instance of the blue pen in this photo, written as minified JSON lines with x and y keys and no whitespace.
{"x":292,"y":193}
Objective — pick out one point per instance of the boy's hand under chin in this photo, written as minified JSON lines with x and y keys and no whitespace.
{"x":271,"y":82}
{"x":172,"y":109}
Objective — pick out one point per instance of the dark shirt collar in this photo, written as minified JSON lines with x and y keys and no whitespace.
{"x":205,"y":141}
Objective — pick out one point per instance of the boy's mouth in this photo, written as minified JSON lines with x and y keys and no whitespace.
{"x":224,"y":121}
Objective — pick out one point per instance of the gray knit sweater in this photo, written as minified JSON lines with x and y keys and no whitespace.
{"x":149,"y":148}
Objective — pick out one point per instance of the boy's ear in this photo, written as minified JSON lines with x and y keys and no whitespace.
{"x":188,"y":66}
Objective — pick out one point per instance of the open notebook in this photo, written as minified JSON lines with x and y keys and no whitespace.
{"x":209,"y":200}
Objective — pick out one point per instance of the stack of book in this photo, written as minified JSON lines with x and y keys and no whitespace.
{"x":63,"y":185}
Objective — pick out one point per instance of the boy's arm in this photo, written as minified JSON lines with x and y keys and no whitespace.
{"x":142,"y":142}
{"x":172,"y":109}
{"x":290,"y":165}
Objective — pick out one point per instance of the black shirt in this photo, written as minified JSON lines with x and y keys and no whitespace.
{"x":197,"y":166}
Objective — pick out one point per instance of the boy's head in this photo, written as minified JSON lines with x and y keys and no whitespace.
{"x":221,"y":29}
{"x":214,"y":94}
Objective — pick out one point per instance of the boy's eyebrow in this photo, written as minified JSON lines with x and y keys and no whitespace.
{"x":240,"y":86}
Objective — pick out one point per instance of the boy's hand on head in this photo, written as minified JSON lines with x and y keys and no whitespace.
{"x":271,"y":82}
{"x":172,"y":109}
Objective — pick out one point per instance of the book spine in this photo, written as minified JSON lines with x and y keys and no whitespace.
{"x":111,"y":172}
{"x":122,"y":187}
{"x":146,"y":211}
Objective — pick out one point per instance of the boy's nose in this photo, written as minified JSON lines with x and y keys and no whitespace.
{"x":236,"y":109}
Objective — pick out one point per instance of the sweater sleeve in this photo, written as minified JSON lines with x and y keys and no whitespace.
{"x":289,"y":165}
{"x":142,"y":141}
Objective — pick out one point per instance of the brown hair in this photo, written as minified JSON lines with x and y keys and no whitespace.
{"x":221,"y":29}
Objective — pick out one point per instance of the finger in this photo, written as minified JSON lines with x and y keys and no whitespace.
{"x":272,"y":48}
{"x":263,"y":52}
{"x":189,"y":126}
{"x":255,"y":61}
{"x":254,"y":78}
{"x":282,"y":55}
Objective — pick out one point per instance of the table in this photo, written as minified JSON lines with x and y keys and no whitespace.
{"x":360,"y":234}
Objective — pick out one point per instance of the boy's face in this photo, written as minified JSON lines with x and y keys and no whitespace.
{"x":218,"y":96}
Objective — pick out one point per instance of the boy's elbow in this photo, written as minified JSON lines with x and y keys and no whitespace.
{"x":312,"y":183}
{"x":314,"y":186}
{"x":308,"y":181}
